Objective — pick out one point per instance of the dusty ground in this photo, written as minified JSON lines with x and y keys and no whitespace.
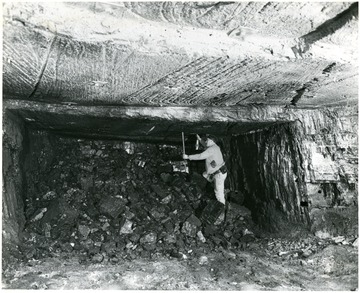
{"x":334,"y":267}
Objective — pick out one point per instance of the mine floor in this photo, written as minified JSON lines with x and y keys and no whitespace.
{"x":262,"y":267}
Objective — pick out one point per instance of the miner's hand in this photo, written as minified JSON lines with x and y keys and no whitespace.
{"x":185,"y":157}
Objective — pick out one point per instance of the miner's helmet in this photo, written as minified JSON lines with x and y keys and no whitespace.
{"x":212,"y":137}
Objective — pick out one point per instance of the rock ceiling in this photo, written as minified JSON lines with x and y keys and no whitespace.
{"x":222,"y":54}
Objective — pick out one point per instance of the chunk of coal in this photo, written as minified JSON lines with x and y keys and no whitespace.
{"x":199,"y":180}
{"x":212,"y":212}
{"x":112,"y":206}
{"x":84,"y":231}
{"x":109,"y":248}
{"x":209,"y":230}
{"x":237,"y":212}
{"x":127,"y":227}
{"x":87,"y":182}
{"x":169,"y":225}
{"x":97,"y":258}
{"x":191,"y":226}
{"x":159,"y":191}
{"x":166,"y":177}
{"x":149,"y":238}
{"x":165,"y":168}
{"x":170,"y":238}
{"x":247,"y":238}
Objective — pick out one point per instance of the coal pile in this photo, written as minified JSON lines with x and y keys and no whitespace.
{"x":108,"y":200}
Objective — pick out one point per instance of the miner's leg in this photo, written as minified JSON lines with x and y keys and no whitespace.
{"x":219,"y":187}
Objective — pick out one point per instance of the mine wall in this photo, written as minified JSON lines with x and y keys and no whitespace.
{"x":301,"y":172}
{"x":13,"y":218}
{"x":330,"y":144}
{"x":268,"y":174}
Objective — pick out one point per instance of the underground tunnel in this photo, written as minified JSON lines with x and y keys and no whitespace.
{"x":104,"y":189}
{"x":98,"y":113}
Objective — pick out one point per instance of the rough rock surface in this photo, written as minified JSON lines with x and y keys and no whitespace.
{"x":13,"y":219}
{"x":299,"y":168}
{"x":182,"y":53}
{"x":108,"y":198}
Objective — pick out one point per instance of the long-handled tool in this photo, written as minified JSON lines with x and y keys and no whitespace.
{"x":183,"y":142}
{"x":184,"y":162}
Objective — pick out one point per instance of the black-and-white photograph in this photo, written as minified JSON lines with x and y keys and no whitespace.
{"x":180,"y":145}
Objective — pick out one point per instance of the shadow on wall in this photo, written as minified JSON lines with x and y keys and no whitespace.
{"x":267,"y":172}
{"x":300,"y":173}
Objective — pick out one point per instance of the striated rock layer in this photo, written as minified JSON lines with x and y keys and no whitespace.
{"x":305,"y":171}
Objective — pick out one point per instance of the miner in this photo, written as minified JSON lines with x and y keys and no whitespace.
{"x":215,"y":169}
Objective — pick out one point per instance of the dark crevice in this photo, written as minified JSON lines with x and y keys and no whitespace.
{"x":329,"y":27}
{"x":20,"y":20}
{"x":31,"y":96}
{"x":298,"y":96}
{"x":329,"y":68}
{"x":217,"y":4}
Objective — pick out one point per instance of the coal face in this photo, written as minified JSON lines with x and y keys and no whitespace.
{"x":106,"y":200}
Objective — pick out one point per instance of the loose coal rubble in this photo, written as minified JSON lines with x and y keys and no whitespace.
{"x":107,"y":201}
